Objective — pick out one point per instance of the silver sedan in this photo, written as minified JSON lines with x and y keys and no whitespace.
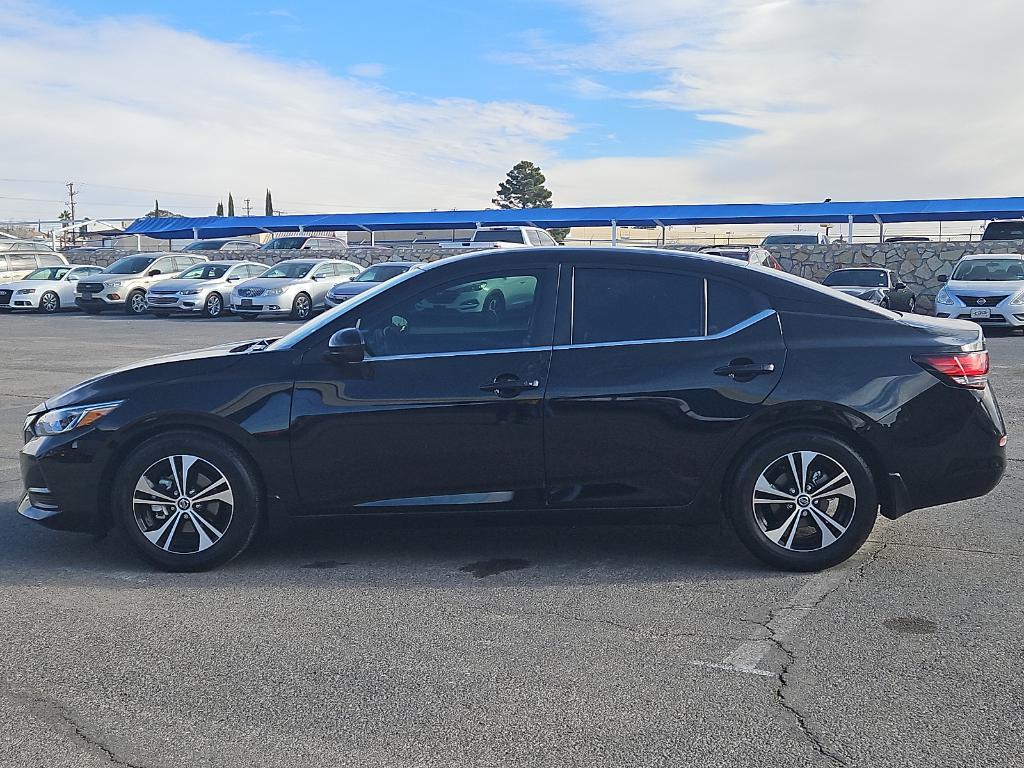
{"x":204,"y":288}
{"x":295,"y":288}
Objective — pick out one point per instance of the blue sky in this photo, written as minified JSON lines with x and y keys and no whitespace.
{"x":445,"y":49}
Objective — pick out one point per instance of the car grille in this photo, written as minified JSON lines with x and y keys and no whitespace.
{"x":249,"y":292}
{"x":157,"y":300}
{"x":90,"y":287}
{"x":162,"y":293}
{"x":981,"y":301}
{"x":5,"y":297}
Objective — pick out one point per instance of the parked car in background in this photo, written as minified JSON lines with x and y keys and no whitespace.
{"x":503,"y":237}
{"x":661,"y":380}
{"x":985,"y":288}
{"x":368,"y":278}
{"x":877,"y":286}
{"x":296,"y":288}
{"x":305,"y":243}
{"x":908,"y":239}
{"x":796,"y":238}
{"x":751,"y":254}
{"x":230,"y":246}
{"x":20,"y":257}
{"x":123,"y":284}
{"x":47,"y":289}
{"x":1003,"y":230}
{"x":204,"y":288}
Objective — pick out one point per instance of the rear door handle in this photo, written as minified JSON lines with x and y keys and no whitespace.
{"x":745,"y":371}
{"x":509,"y":386}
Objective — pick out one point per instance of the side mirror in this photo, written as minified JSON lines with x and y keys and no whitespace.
{"x":347,"y":346}
{"x":153,"y":272}
{"x":943,"y":278}
{"x":901,"y":286}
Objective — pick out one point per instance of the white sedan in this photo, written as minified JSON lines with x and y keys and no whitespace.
{"x":47,"y":289}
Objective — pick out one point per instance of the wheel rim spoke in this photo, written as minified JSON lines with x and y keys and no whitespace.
{"x":826,"y":524}
{"x":776,"y":534}
{"x":764,"y":487}
{"x":841,"y":485}
{"x":145,"y":486}
{"x":156,"y":534}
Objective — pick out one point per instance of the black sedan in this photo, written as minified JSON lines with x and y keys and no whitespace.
{"x":539,"y":379}
{"x":367,"y":279}
{"x":875,"y":285}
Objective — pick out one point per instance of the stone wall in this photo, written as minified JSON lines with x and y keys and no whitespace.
{"x":919,"y":264}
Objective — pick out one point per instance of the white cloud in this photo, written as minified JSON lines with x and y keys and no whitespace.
{"x":368,"y":69}
{"x":852,"y":99}
{"x":131,"y":102}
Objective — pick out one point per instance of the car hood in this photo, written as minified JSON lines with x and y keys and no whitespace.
{"x":179,"y":285}
{"x":351,"y":289}
{"x":985,"y":287}
{"x":119,"y":383}
{"x":272,"y":282}
{"x":26,"y":284}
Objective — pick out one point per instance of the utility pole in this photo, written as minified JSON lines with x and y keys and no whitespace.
{"x":248,"y":207}
{"x":71,"y":195}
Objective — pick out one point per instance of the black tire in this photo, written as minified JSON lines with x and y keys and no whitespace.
{"x":135,"y":304}
{"x":49,"y":303}
{"x":884,"y":304}
{"x":806,"y":548}
{"x":302,"y":307}
{"x":214,"y":305}
{"x":239,"y":520}
{"x":494,"y":308}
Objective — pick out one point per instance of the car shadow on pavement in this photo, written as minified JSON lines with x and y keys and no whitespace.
{"x":411,"y":551}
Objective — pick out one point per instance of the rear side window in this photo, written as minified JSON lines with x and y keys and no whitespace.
{"x":635,"y":305}
{"x":730,"y":304}
{"x":18,"y":261}
{"x":49,"y":260}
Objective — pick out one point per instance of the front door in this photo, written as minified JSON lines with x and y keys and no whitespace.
{"x":445,"y":411}
{"x":660,"y":371}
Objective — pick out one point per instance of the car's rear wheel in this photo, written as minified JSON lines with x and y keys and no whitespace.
{"x":135,"y":304}
{"x":49,"y":303}
{"x":494,"y":308}
{"x":302,"y":307}
{"x":214,"y":306}
{"x":187,"y":501}
{"x":803,"y":500}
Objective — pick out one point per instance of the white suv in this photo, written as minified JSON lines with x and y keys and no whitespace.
{"x":123,"y":284}
{"x":985,"y":288}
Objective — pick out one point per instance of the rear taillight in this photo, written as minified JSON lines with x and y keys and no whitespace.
{"x":964,"y":369}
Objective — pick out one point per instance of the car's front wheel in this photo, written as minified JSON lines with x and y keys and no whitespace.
{"x":187,"y":501}
{"x":302,"y":307}
{"x":214,"y":306}
{"x":136,"y":303}
{"x":49,"y":303}
{"x":803,"y":500}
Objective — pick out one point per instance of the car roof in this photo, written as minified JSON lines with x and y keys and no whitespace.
{"x":860,"y":269}
{"x":978,"y":256}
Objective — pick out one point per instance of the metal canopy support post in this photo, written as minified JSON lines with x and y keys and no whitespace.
{"x":615,"y":233}
{"x":663,"y":232}
{"x":138,"y":242}
{"x":195,"y":233}
{"x":881,"y":229}
{"x":302,"y":227}
{"x":849,"y":228}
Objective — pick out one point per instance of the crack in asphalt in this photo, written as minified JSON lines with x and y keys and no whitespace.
{"x":960,"y":550}
{"x":59,"y":717}
{"x":632,"y":629}
{"x":783,"y":678}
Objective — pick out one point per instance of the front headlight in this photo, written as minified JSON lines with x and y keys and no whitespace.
{"x":26,"y":290}
{"x":113,"y":284}
{"x":943,"y":297}
{"x":273,"y":291}
{"x":63,"y":420}
{"x":1018,"y":297}
{"x":189,"y":292}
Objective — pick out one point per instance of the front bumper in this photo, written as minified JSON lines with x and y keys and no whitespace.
{"x":999,"y":316}
{"x":333,"y":301}
{"x":99,"y":302}
{"x":175,"y":303}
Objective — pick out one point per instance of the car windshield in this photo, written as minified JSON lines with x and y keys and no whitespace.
{"x":49,"y":273}
{"x":205,"y":272}
{"x":379,"y":273}
{"x":208,"y":245}
{"x":284,"y":244}
{"x":990,"y":269}
{"x":859,"y":278}
{"x":290,"y":269}
{"x":498,"y":236}
{"x":1004,"y":230}
{"x":129,"y":265}
{"x":790,"y":240}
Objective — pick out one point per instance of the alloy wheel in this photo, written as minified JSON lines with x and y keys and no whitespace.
{"x":302,"y":307}
{"x":804,"y":501}
{"x":183,"y":504}
{"x":137,"y":303}
{"x":49,"y":302}
{"x":214,"y":306}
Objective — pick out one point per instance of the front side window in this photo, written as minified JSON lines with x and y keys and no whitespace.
{"x":488,"y":312}
{"x":129,"y":265}
{"x":379,"y":273}
{"x":327,"y":270}
{"x":205,"y":272}
{"x":289,"y":269}
{"x":634,"y":305}
{"x":49,"y":260}
{"x":284,"y":244}
{"x":49,"y":273}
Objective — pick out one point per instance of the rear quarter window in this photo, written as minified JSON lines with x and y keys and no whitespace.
{"x":729,"y":304}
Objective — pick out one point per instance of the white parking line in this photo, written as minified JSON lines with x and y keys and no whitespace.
{"x":748,"y":657}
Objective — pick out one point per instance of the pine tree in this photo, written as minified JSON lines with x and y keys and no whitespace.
{"x":220,"y":208}
{"x":523,"y":187}
{"x":231,"y":205}
{"x":270,"y":204}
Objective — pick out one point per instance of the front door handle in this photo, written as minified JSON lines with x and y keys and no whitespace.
{"x":745,"y":370}
{"x":508,"y":385}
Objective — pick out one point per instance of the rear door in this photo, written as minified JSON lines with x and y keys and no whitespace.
{"x":660,"y":369}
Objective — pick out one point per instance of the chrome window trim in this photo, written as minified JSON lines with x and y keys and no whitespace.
{"x":458,"y":353}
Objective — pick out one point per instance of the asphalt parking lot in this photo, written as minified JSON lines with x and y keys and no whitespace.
{"x":465,"y":642}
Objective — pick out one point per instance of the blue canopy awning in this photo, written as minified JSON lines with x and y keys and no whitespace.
{"x":864,"y":212}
